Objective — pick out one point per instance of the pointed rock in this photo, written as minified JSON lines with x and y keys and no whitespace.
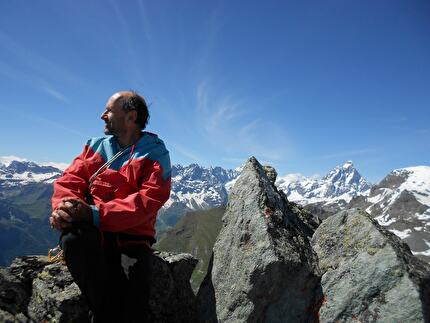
{"x":263,"y":268}
{"x":369,"y":274}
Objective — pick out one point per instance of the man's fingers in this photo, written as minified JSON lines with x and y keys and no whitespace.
{"x":51,"y":221}
{"x":64,"y":216}
{"x":57,"y":223}
{"x":67,"y":207}
{"x":69,"y":204}
{"x":71,"y":200}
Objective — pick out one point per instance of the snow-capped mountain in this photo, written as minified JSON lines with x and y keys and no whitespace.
{"x":339,"y":186}
{"x":16,"y":171}
{"x":193,"y":186}
{"x":401,"y":203}
{"x":198,"y":187}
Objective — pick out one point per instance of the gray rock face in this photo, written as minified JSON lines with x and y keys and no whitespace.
{"x":401,"y":203}
{"x":263,"y":267}
{"x":270,"y":173}
{"x":32,"y":290}
{"x":369,"y":275}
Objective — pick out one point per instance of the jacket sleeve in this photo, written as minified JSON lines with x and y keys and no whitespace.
{"x":74,"y":181}
{"x":139,"y":208}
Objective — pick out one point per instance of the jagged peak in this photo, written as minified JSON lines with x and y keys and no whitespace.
{"x":7,"y":160}
{"x":348,"y":164}
{"x":10,"y":161}
{"x":341,"y":172}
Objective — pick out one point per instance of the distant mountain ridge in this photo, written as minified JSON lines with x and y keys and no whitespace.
{"x":400,"y":201}
{"x":195,"y":187}
{"x":339,"y":186}
{"x":22,"y":172}
{"x":200,"y":187}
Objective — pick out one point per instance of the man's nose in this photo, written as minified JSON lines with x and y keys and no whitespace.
{"x":103,"y":116}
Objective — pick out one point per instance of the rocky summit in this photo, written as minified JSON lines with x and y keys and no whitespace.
{"x":263,"y":267}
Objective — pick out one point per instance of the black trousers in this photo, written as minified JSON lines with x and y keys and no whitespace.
{"x":115,"y":281}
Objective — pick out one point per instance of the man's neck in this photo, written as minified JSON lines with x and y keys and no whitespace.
{"x":129,"y":139}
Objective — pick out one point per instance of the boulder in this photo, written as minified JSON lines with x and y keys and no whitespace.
{"x":369,"y":274}
{"x":263,"y":268}
{"x":34,"y":290}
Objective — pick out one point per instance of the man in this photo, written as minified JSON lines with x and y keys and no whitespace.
{"x":105,"y":206}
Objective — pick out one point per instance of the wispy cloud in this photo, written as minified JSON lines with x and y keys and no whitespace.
{"x":56,"y":94}
{"x":33,"y":81}
{"x":187,"y":153}
{"x":144,"y":17}
{"x":228,"y":123}
{"x":60,"y":126}
{"x":216,"y":114}
{"x":38,"y":66}
{"x":46,"y":123}
{"x":130,"y":50}
{"x":212,"y":29}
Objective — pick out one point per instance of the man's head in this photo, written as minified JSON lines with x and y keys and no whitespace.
{"x":125,"y":112}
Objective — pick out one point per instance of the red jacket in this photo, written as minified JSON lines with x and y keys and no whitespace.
{"x":127,"y":195}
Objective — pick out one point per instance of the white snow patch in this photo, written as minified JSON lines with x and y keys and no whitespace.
{"x":425,"y":216}
{"x":348,"y":164}
{"x":230,"y":184}
{"x":290,"y":178}
{"x":377,"y":198}
{"x":417,"y":182}
{"x":60,"y":166}
{"x":385,"y":220}
{"x":240,"y":168}
{"x":422,"y":253}
{"x":7,"y":160}
{"x":418,"y":228}
{"x":401,"y":234}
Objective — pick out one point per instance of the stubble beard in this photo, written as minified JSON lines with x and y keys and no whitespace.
{"x":108,"y":130}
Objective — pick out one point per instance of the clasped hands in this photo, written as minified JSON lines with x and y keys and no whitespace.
{"x":70,"y":210}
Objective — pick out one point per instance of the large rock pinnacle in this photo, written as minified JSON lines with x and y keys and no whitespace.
{"x":263,"y":267}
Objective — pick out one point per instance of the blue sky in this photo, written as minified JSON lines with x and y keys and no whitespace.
{"x":302,"y":85}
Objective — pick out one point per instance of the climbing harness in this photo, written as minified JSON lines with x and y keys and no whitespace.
{"x":56,"y":255}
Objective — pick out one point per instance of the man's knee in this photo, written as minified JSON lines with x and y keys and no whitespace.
{"x":80,"y":237}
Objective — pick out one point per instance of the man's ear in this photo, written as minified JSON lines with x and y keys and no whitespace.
{"x":132,"y":115}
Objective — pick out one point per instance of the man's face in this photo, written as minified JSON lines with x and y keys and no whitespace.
{"x":114,"y":117}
